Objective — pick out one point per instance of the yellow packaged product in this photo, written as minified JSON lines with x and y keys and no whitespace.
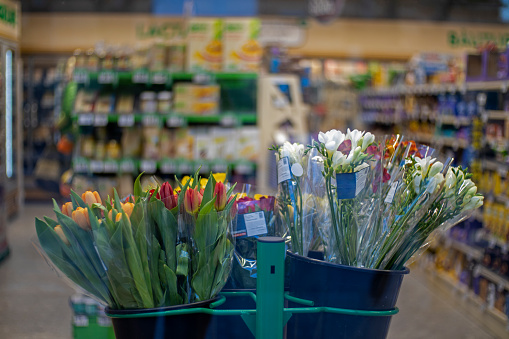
{"x":204,"y":45}
{"x":242,"y":50}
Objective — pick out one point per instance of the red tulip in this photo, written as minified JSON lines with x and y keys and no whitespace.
{"x":220,"y":194}
{"x":167,"y":196}
{"x":192,"y":201}
{"x":267,"y":204}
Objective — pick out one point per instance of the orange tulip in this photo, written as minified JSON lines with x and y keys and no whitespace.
{"x":60,"y":232}
{"x":118,"y":217}
{"x":220,"y":194}
{"x":128,"y":208}
{"x":80,"y":216}
{"x":91,"y":198}
{"x":192,"y":201}
{"x":67,"y":209}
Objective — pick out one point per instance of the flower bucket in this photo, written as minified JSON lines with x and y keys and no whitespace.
{"x":340,"y":286}
{"x":224,"y":327}
{"x":131,"y":324}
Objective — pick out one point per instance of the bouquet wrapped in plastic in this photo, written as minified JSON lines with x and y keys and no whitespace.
{"x":158,"y":248}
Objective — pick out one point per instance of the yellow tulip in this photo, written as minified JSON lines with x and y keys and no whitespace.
{"x":185,"y":180}
{"x":128,"y":208}
{"x":259,"y":196}
{"x":91,"y":198}
{"x":219,"y":177}
{"x":203,"y":182}
{"x":118,"y":217}
{"x":241,"y":195}
{"x":60,"y":232}
{"x":80,"y":216}
{"x":67,"y":209}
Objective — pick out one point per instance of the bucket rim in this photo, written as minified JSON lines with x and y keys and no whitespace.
{"x":198,"y":304}
{"x":345,"y":267}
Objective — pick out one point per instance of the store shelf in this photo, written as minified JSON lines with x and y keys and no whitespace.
{"x":453,"y":120}
{"x":497,"y":115}
{"x":149,"y":77}
{"x":432,"y":139}
{"x":167,"y":166}
{"x":468,"y":250}
{"x":499,"y":280}
{"x":171,"y":120}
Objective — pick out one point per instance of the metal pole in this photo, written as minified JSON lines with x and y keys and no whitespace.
{"x":270,"y":288}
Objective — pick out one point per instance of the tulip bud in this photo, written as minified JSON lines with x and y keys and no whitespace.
{"x":60,"y":232}
{"x":220,"y":194}
{"x":80,"y":216}
{"x":192,"y":201}
{"x":118,"y":217}
{"x":91,"y":198}
{"x":67,"y":209}
{"x":128,"y":208}
{"x":168,"y":197}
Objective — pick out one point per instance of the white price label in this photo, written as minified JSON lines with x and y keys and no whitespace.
{"x":101,"y":120}
{"x":297,"y":170}
{"x":159,"y":78}
{"x":106,"y":78}
{"x":168,"y":167}
{"x":80,"y":167}
{"x":202,"y":78}
{"x":255,"y":224}
{"x":110,"y":167}
{"x":148,"y":166}
{"x":86,"y":119}
{"x":360,"y":180}
{"x":185,"y":167}
{"x":228,"y":120}
{"x":150,"y":120}
{"x":283,"y":170}
{"x":103,"y":321}
{"x":243,"y":168}
{"x":126,"y":120}
{"x":390,"y":195}
{"x":80,"y":77}
{"x":80,"y":320}
{"x":96,"y":166}
{"x":174,"y":121}
{"x":127,"y":166}
{"x":219,"y":168}
{"x":140,"y":77}
{"x":205,"y":168}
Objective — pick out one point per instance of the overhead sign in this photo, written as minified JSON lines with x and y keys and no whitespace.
{"x":9,"y":19}
{"x":474,"y":39}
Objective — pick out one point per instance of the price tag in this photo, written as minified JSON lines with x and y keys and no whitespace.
{"x":148,"y":166}
{"x":126,"y":120}
{"x":140,"y":77}
{"x":390,"y":196}
{"x":202,"y":78}
{"x":283,"y":170}
{"x":205,"y":168}
{"x":168,"y":167}
{"x":255,"y":224}
{"x":96,"y":166}
{"x":127,"y":166}
{"x":219,"y":167}
{"x":103,"y":321}
{"x":228,"y":121}
{"x":244,"y":168}
{"x":185,"y":167}
{"x":80,"y":77}
{"x":175,"y":121}
{"x":159,"y":78}
{"x":110,"y":167}
{"x":80,"y":320}
{"x":80,"y":166}
{"x":101,"y":120}
{"x":106,"y":77}
{"x":151,"y":120}
{"x":86,"y":119}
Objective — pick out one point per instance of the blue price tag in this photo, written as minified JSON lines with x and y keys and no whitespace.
{"x":349,"y":185}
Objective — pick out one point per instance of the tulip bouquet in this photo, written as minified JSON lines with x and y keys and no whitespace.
{"x":255,"y":217}
{"x":140,"y":252}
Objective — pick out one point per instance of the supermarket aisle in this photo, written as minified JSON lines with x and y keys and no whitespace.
{"x":34,"y":301}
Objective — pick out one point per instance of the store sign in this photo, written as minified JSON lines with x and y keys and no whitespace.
{"x":9,"y":19}
{"x":165,"y":30}
{"x":474,"y":39}
{"x":282,"y":33}
{"x":325,"y":10}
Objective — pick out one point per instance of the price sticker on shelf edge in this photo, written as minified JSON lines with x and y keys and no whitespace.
{"x":168,"y":167}
{"x":107,"y":77}
{"x":126,"y":120}
{"x":349,"y":185}
{"x":151,"y":120}
{"x":101,"y":120}
{"x":140,"y":77}
{"x":86,"y":119}
{"x":283,"y":170}
{"x":80,"y":77}
{"x":228,"y":121}
{"x":96,"y":166}
{"x":148,"y":166}
{"x":174,"y":121}
{"x":80,"y":320}
{"x":390,"y":195}
{"x":110,"y":167}
{"x":250,"y":225}
{"x":159,"y":78}
{"x":127,"y":166}
{"x":80,"y":166}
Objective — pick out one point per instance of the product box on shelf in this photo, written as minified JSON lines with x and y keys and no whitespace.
{"x":194,"y":99}
{"x":242,"y":50}
{"x":204,"y":45}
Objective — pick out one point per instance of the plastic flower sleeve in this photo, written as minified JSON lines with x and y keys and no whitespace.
{"x":255,"y":218}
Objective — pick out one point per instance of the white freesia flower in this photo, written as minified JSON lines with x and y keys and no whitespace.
{"x":331,"y":139}
{"x":317,"y":158}
{"x":355,"y":136}
{"x":416,"y":182}
{"x":435,"y":168}
{"x":474,"y":203}
{"x":467,"y":184}
{"x":435,"y":182}
{"x":367,"y":140}
{"x":450,"y":179}
{"x":294,"y":152}
{"x":354,"y":154}
{"x":338,"y":159}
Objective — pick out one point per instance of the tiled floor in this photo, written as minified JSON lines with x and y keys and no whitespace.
{"x":34,"y":301}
